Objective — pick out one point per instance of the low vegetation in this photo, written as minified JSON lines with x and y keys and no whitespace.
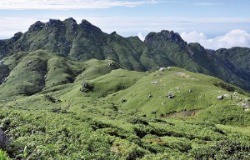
{"x":65,"y":109}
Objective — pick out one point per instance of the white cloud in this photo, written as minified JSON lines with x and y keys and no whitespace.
{"x":11,"y":25}
{"x":193,"y":36}
{"x":142,"y":38}
{"x":205,"y":4}
{"x":234,"y":38}
{"x":69,"y":4}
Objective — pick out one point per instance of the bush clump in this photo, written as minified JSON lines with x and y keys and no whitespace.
{"x":3,"y":155}
{"x":86,"y":87}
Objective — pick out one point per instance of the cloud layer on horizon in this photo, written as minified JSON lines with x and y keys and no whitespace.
{"x":234,"y":38}
{"x":69,"y":4}
{"x":138,"y":26}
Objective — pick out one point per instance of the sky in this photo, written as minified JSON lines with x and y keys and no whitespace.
{"x":212,"y":23}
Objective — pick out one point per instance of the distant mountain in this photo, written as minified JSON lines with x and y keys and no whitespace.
{"x":85,"y":41}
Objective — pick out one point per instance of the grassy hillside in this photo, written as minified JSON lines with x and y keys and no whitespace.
{"x":49,"y":111}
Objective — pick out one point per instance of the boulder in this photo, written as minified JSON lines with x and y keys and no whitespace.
{"x":162,"y":69}
{"x":245,"y":104}
{"x":221,"y":97}
{"x":154,"y":82}
{"x":111,"y":63}
{"x":3,"y":140}
{"x":170,"y":95}
{"x":86,"y":87}
{"x":169,"y":68}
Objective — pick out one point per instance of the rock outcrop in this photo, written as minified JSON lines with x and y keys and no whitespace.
{"x":3,"y":140}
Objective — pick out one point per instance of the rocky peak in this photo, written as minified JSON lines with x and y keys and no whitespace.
{"x":196,"y":49}
{"x":17,"y":36}
{"x":72,"y":25}
{"x":113,"y":33}
{"x":70,"y":21}
{"x":36,"y":26}
{"x":54,"y":22}
{"x":164,"y":36}
{"x":197,"y":46}
{"x":88,"y":27}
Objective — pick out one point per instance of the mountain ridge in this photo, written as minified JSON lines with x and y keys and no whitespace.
{"x":85,"y":41}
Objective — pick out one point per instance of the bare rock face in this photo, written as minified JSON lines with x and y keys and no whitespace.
{"x":3,"y":139}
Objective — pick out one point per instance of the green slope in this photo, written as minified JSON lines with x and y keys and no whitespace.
{"x":191,"y":92}
{"x":27,"y":74}
{"x":127,"y":114}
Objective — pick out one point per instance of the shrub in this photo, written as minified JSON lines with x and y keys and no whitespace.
{"x":3,"y":155}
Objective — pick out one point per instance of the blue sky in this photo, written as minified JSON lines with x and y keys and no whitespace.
{"x":213,"y":23}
